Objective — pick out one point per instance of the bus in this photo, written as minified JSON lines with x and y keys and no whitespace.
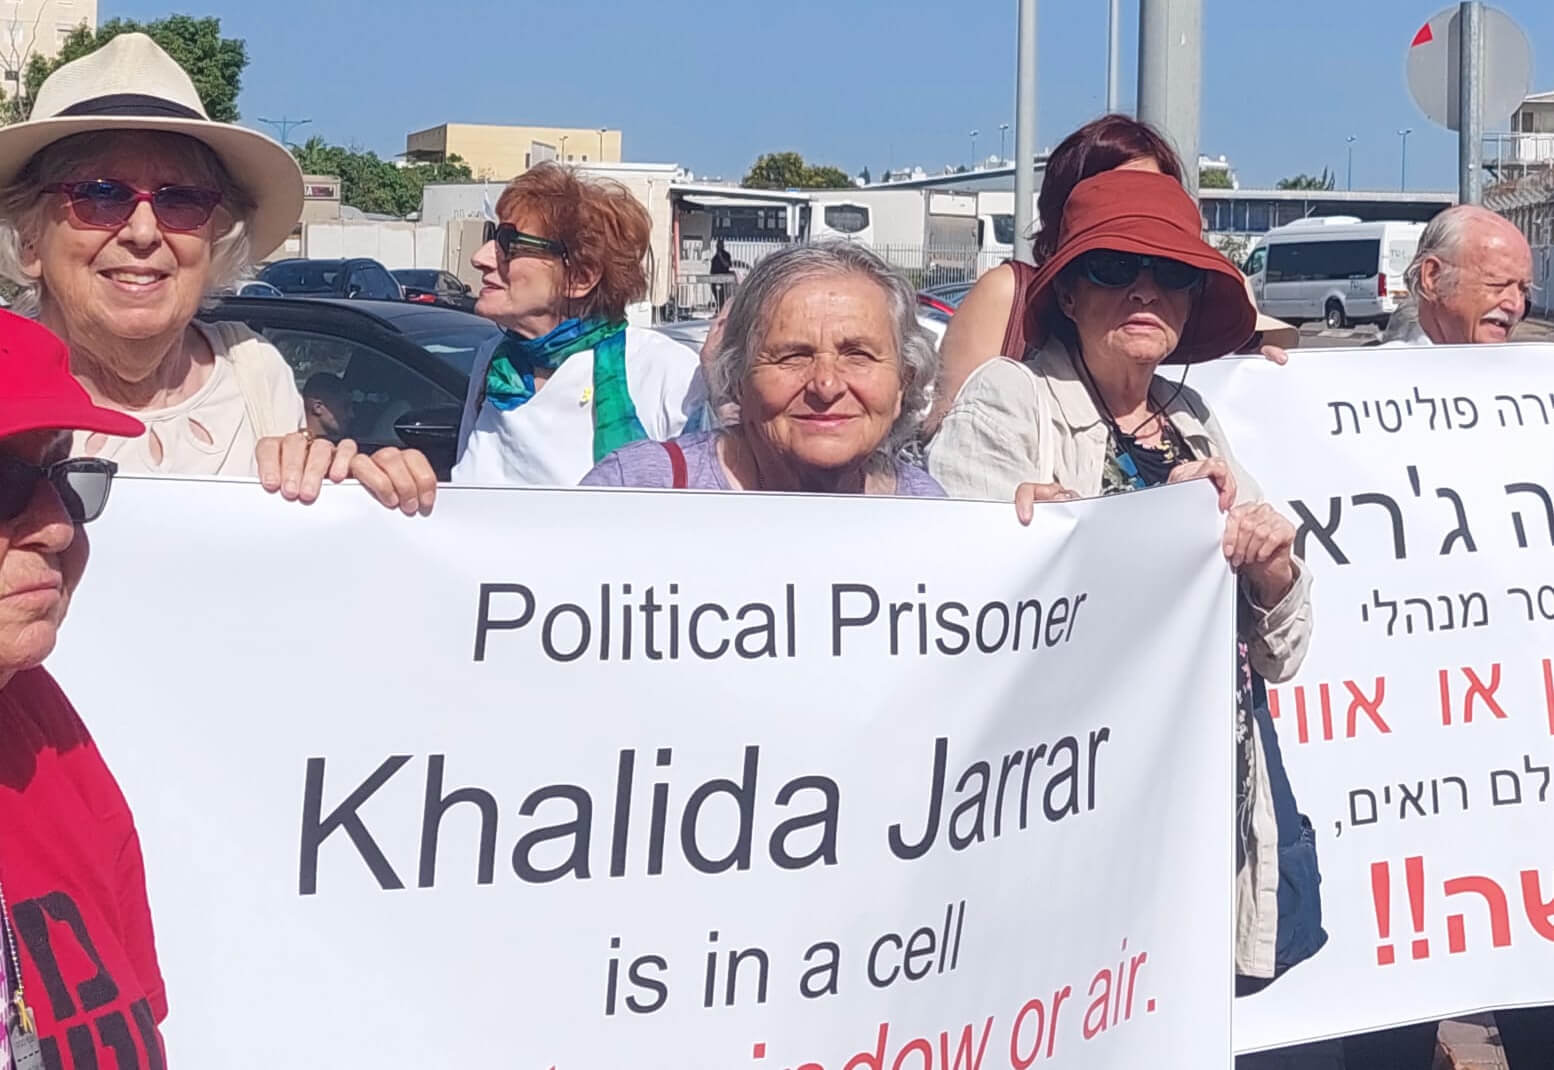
{"x":1336,"y":269}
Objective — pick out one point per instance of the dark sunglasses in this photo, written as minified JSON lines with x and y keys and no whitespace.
{"x":511,"y":241}
{"x":1114,"y":270}
{"x":108,"y":203}
{"x":82,"y":484}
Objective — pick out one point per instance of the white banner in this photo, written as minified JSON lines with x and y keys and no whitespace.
{"x":590,"y":779}
{"x":1418,"y":734}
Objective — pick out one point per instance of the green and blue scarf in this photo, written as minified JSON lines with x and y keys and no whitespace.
{"x":510,"y":379}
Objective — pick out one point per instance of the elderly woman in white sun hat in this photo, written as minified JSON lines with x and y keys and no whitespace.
{"x":122,"y":208}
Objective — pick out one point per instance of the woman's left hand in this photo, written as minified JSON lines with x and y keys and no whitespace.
{"x":1216,"y":471}
{"x":296,"y":467}
{"x":1258,"y":544}
{"x":1275,"y":355}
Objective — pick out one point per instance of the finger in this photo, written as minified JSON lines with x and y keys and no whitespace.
{"x":405,"y":489}
{"x":340,"y":467}
{"x":425,"y":478}
{"x":377,"y":482}
{"x":268,"y":457}
{"x":1226,"y":482}
{"x":1276,"y":355}
{"x":294,"y":457}
{"x":1024,"y":502}
{"x":320,"y":453}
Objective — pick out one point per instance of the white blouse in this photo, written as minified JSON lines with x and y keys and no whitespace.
{"x":549,"y":440}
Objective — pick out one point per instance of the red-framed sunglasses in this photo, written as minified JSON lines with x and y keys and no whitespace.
{"x":108,"y":203}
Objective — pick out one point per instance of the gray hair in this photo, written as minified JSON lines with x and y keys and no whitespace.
{"x":750,"y":312}
{"x":23,"y":206}
{"x":1442,"y":239}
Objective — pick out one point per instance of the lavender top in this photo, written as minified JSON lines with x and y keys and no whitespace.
{"x":646,"y":464}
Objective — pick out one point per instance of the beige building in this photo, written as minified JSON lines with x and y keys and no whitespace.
{"x":36,"y":27}
{"x":497,"y":153}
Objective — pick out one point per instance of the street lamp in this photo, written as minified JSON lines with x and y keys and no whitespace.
{"x":1403,"y":173}
{"x":563,"y":149}
{"x":1003,"y":130}
{"x":601,"y":143}
{"x":1350,"y":183}
{"x":974,"y":149}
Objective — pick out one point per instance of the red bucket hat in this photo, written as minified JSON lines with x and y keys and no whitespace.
{"x":1150,"y":213}
{"x":37,"y":391}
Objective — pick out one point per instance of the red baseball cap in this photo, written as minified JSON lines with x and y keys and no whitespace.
{"x":37,"y":391}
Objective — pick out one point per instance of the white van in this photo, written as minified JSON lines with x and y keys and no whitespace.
{"x":1332,"y":268}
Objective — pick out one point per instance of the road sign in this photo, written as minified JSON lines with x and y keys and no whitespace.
{"x":1434,"y":63}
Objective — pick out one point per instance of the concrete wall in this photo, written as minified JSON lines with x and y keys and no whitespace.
{"x":500,"y":152}
{"x":394,"y":245}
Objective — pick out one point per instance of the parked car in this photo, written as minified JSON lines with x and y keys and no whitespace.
{"x":357,"y":278}
{"x":940,"y":302}
{"x":428,"y":286}
{"x":255,"y":288}
{"x":405,"y":366}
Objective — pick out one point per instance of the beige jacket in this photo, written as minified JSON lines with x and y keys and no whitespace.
{"x":1017,"y":423}
{"x":1014,"y":423}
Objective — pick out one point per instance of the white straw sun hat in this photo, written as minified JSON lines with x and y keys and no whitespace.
{"x":131,"y":84}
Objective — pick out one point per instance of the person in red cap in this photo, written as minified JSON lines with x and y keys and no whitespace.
{"x":79,"y":981}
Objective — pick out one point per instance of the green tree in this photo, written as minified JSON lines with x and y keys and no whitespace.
{"x":1214,"y":178}
{"x":787,"y":170}
{"x":375,"y":185}
{"x":214,"y":63}
{"x":1305,"y":181}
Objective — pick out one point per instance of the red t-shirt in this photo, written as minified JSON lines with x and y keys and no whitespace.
{"x":75,"y":886}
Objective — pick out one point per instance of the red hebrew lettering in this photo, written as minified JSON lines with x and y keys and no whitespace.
{"x":1548,"y":691}
{"x":1445,"y":679}
{"x":1371,"y":707}
{"x":1539,"y":914}
{"x":1327,"y":712}
{"x":1302,"y":732}
{"x":1477,"y":690}
{"x":1499,"y":913}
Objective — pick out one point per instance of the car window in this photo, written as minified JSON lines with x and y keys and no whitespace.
{"x":379,"y":389}
{"x":456,"y":347}
{"x":418,"y":280}
{"x":303,"y":276}
{"x":1255,"y":262}
{"x":452,"y":285}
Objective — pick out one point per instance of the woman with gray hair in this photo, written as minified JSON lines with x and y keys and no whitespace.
{"x":830,"y":370}
{"x":122,"y":208}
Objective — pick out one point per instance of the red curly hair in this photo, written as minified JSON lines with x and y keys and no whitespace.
{"x":605,"y":229}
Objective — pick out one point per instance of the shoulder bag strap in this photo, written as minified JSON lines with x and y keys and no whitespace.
{"x":676,"y":465}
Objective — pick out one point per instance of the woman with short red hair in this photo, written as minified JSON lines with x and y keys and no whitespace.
{"x":569,"y":381}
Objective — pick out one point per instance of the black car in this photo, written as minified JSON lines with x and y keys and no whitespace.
{"x":404,"y":367}
{"x":358,"y":278}
{"x":428,"y":286}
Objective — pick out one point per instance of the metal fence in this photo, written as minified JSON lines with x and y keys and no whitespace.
{"x":1529,"y":203}
{"x":698,"y":292}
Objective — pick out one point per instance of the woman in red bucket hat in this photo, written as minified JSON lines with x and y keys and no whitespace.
{"x":1132,"y":286}
{"x":72,"y":885}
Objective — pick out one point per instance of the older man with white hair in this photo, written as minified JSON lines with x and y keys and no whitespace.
{"x":1469,"y":281}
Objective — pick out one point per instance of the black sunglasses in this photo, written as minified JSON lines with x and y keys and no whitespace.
{"x":1114,"y":270}
{"x":510,"y":241}
{"x":108,"y":203}
{"x":82,"y":484}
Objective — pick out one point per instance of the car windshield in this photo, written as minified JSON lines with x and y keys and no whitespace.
{"x":420,"y":280}
{"x":303,"y":276}
{"x":455,"y":346}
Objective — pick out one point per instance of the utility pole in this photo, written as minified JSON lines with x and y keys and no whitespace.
{"x":1171,"y":75}
{"x":602,"y":132}
{"x":974,"y":150}
{"x":1003,"y":142}
{"x":1470,"y":103}
{"x":285,"y":126}
{"x":563,"y":148}
{"x":1114,"y":57}
{"x":1349,"y":183}
{"x":1025,"y":131}
{"x":1403,"y":172}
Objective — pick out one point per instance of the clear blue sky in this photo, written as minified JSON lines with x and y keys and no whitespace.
{"x":852,"y":82}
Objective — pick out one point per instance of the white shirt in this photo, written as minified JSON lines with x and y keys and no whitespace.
{"x":548,"y":441}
